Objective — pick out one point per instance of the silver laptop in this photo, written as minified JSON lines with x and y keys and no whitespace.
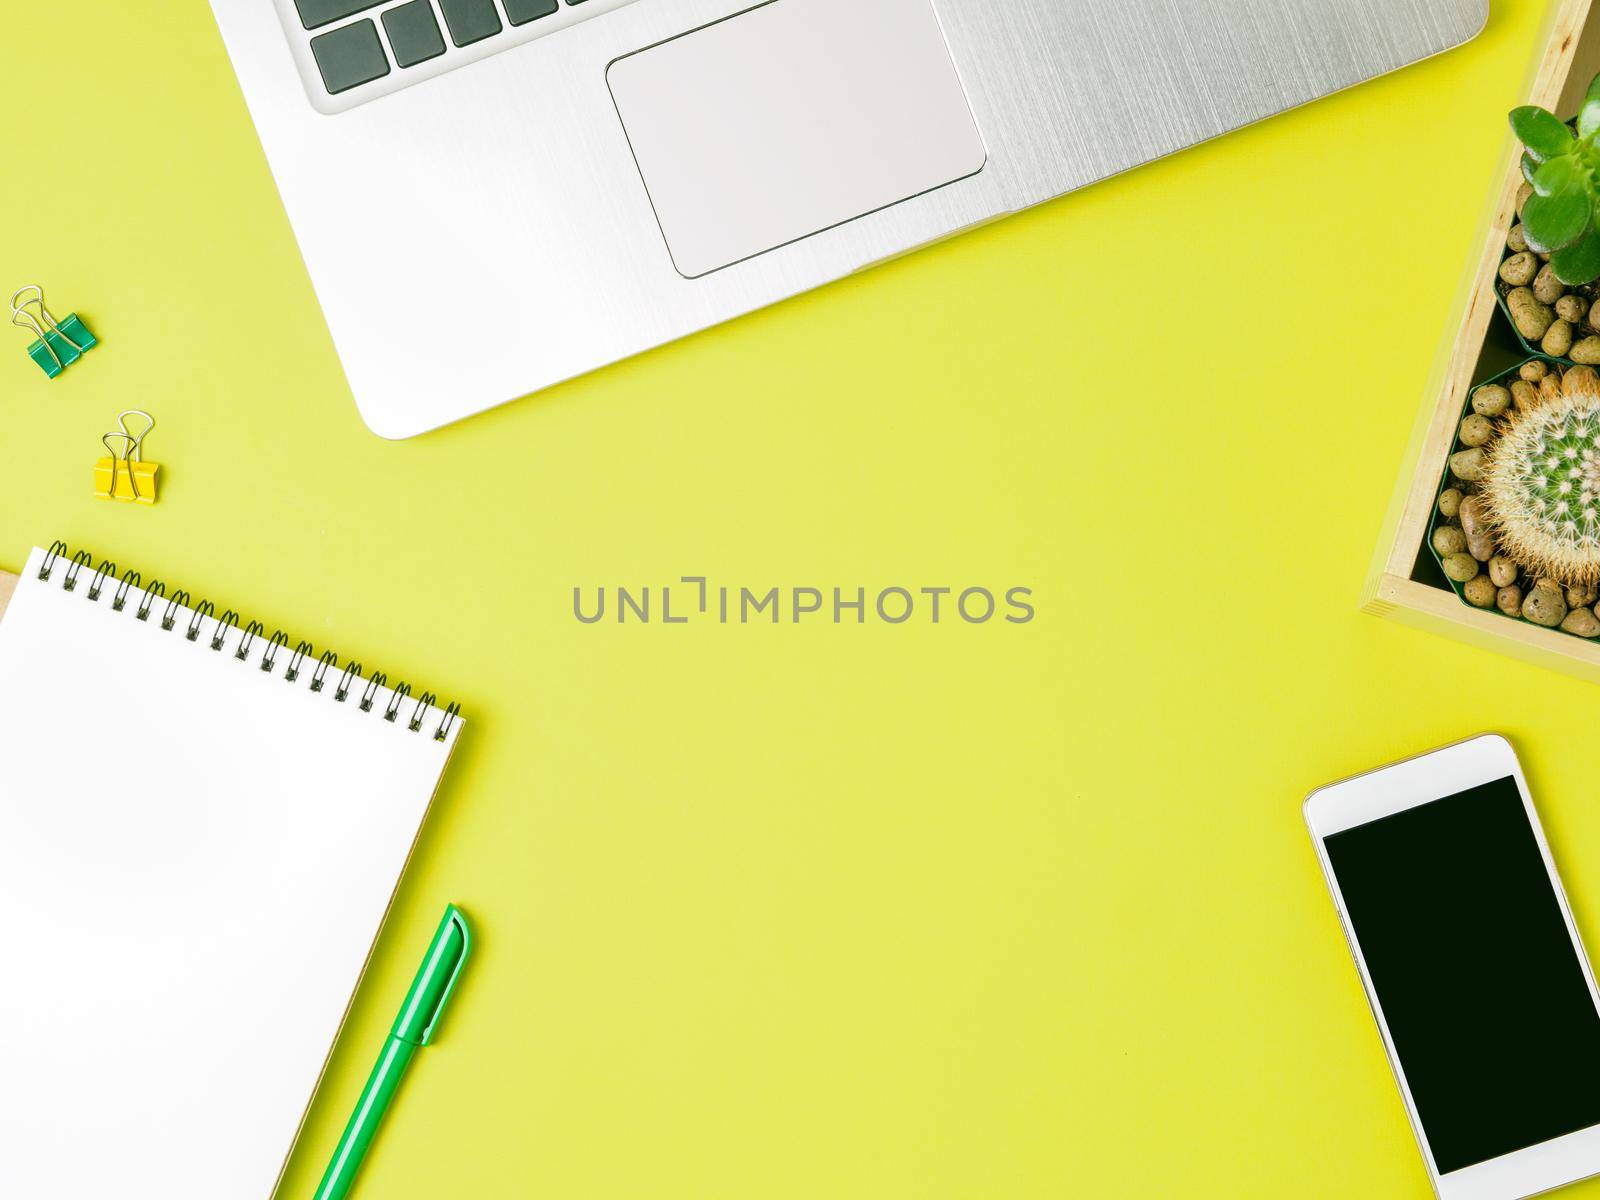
{"x":495,"y":195}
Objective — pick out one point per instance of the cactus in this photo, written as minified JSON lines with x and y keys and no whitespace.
{"x":1541,"y":487}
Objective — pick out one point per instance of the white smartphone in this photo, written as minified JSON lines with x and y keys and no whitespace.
{"x":1475,"y":972}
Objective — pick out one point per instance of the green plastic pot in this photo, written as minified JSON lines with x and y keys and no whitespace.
{"x":1590,"y":293}
{"x":1501,"y":289}
{"x":1435,"y":520}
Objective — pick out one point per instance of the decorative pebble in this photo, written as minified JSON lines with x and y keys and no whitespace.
{"x":1581,"y":622}
{"x":1475,"y":430}
{"x":1491,"y":400}
{"x":1468,"y":465}
{"x":1557,"y":340}
{"x":1461,"y":567}
{"x":1519,"y":270}
{"x":1544,"y":605}
{"x":1586,"y":350}
{"x":1528,"y":313}
{"x":1547,"y":289}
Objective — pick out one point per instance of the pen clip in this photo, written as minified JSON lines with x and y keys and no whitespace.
{"x":454,"y":916}
{"x":444,"y":997}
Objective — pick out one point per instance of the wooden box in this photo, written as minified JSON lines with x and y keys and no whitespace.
{"x":1405,"y":583}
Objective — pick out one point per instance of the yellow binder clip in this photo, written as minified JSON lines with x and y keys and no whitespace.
{"x":125,"y":475}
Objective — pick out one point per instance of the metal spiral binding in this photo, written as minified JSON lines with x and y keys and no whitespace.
{"x":328,"y":659}
{"x":269,"y":656}
{"x":292,"y":671}
{"x":130,"y":580}
{"x":201,"y":611}
{"x":375,"y":681}
{"x":156,"y":588}
{"x":228,"y":620}
{"x":228,"y":623}
{"x":251,"y":632}
{"x":107,"y":567}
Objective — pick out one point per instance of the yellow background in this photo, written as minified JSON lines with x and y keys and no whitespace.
{"x":928,"y":911}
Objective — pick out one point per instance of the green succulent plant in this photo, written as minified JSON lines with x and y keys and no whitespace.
{"x":1562,"y":217}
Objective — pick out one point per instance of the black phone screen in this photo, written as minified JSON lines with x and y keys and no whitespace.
{"x":1485,"y":997}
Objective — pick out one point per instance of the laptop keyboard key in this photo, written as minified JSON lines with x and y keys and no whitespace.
{"x":316,"y":13}
{"x":413,"y":33}
{"x":470,"y":20}
{"x":520,"y":12}
{"x":350,"y":56}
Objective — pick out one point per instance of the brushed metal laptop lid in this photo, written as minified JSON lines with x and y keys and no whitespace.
{"x":504,"y":192}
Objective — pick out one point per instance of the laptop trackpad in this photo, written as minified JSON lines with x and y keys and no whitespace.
{"x":791,"y":118}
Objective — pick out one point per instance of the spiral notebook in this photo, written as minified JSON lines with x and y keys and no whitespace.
{"x":201,"y":828}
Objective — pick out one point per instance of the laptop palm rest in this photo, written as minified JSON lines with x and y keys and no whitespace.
{"x":791,"y":118}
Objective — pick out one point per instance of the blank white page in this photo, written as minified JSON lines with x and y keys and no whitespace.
{"x":195,"y":859}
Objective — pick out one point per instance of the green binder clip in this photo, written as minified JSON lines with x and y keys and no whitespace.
{"x":58,"y":344}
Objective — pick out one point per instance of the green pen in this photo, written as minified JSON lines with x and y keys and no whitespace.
{"x":413,"y":1028}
